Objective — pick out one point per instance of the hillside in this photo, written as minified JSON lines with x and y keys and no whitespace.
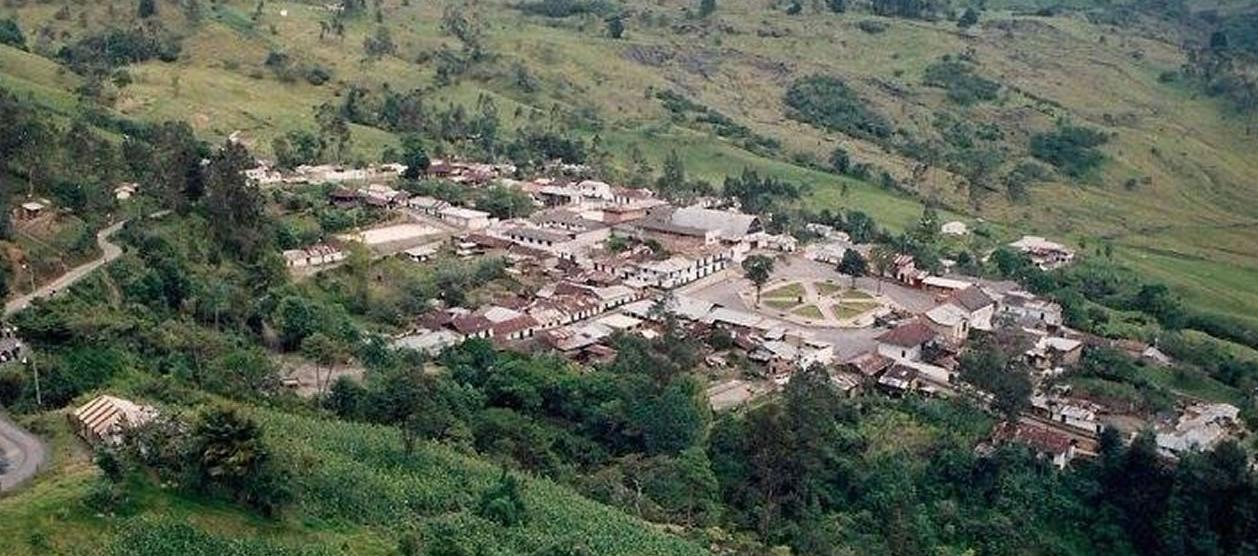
{"x":1176,"y":196}
{"x":428,"y":496}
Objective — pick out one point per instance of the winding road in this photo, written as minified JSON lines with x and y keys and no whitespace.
{"x":25,"y":452}
{"x":109,"y":252}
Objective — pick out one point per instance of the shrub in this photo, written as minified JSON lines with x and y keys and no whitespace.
{"x":871,"y":26}
{"x":11,"y":34}
{"x":827,"y":102}
{"x":1071,"y":149}
{"x":959,"y":79}
{"x":565,"y":8}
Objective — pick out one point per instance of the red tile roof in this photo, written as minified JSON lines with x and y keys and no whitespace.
{"x":911,"y":334}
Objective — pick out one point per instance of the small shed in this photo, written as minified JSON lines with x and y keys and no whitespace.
{"x":106,"y":418}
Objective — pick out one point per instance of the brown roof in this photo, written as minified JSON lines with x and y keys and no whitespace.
{"x":911,"y":334}
{"x":869,"y":364}
{"x":971,"y":299}
{"x":471,"y":324}
{"x":1040,"y":438}
{"x":507,"y":327}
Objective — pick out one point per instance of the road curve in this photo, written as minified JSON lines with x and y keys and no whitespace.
{"x":25,"y":452}
{"x":109,"y":252}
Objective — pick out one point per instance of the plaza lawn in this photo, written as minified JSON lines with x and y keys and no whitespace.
{"x":809,"y":311}
{"x":793,"y":290}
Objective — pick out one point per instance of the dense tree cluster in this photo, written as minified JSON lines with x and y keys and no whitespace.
{"x":1071,"y":149}
{"x":964,"y":86}
{"x":827,"y":102}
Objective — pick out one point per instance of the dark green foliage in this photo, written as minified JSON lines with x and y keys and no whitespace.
{"x":794,"y":8}
{"x":688,"y":111}
{"x":295,"y":148}
{"x":707,"y":7}
{"x":840,"y":161}
{"x":414,"y":156}
{"x":958,"y":78}
{"x":615,"y":27}
{"x":1071,"y":149}
{"x":871,"y":26}
{"x":853,"y":264}
{"x":565,"y":8}
{"x":1000,"y":371}
{"x":11,"y":34}
{"x":119,"y":47}
{"x":828,"y":103}
{"x":503,"y":503}
{"x":146,"y":9}
{"x":837,"y":6}
{"x":968,"y":18}
{"x":911,"y":9}
{"x":760,"y":195}
{"x":229,"y":454}
{"x":504,"y":202}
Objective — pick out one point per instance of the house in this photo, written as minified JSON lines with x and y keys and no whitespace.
{"x":899,"y":379}
{"x":390,"y":239}
{"x":944,"y":285}
{"x":904,"y":269}
{"x":1200,"y":426}
{"x":1026,"y":309}
{"x":1052,"y":352}
{"x":905,"y":342}
{"x":427,"y":205}
{"x":949,"y":321}
{"x":343,"y":197}
{"x":431,"y":342}
{"x":10,"y":346}
{"x":465,"y":218}
{"x":1078,"y":414}
{"x":847,"y":384}
{"x":106,"y":418}
{"x":315,"y":255}
{"x":31,"y":209}
{"x":1043,"y":253}
{"x":125,"y":191}
{"x":977,"y":307}
{"x":954,"y":228}
{"x":1056,"y":446}
{"x":692,"y":226}
{"x":869,"y":364}
{"x":423,"y":253}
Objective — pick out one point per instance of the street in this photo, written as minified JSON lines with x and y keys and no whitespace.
{"x":25,"y":452}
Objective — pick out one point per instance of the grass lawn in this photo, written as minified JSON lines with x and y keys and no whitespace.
{"x":827,"y":288}
{"x":780,"y":303}
{"x":792,"y":290}
{"x":809,"y":311}
{"x":849,"y":310}
{"x":857,"y":295}
{"x":1195,"y":384}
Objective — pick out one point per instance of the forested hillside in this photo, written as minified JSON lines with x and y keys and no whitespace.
{"x":927,"y":104}
{"x":1128,"y":130}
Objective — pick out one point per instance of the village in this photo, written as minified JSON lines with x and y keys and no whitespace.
{"x":609,"y":260}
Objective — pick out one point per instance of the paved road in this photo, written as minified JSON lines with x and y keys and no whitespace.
{"x":25,"y":452}
{"x":848,"y":342}
{"x":109,"y":252}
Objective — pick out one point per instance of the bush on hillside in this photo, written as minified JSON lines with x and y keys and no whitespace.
{"x":827,"y":102}
{"x":119,"y":47}
{"x":963,"y":85}
{"x":565,"y":8}
{"x":11,"y":34}
{"x":1071,"y":149}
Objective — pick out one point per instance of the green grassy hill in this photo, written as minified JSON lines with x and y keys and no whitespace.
{"x":354,"y":493}
{"x":1177,"y":197}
